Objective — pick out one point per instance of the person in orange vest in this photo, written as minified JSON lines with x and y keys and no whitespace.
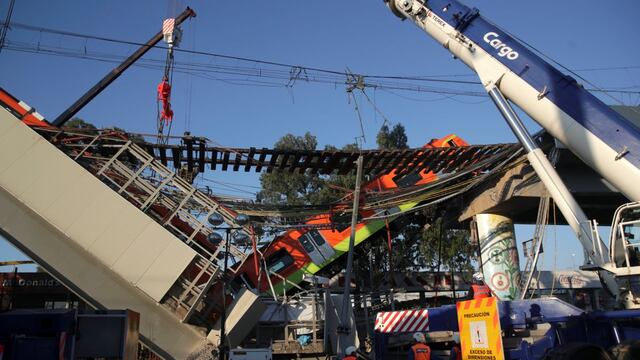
{"x":456,"y":351}
{"x":350,"y":353}
{"x":478,"y":288}
{"x":420,"y":350}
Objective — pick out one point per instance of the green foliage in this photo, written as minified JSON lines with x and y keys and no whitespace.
{"x":282,"y":187}
{"x":133,"y":137}
{"x":336,"y":186}
{"x":449,"y":247}
{"x":78,"y":123}
{"x":407,"y":232}
{"x":392,"y":139}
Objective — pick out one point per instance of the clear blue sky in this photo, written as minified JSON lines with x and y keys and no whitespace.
{"x":361,"y":35}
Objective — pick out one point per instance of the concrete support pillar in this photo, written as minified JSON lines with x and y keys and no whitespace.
{"x":499,"y":254}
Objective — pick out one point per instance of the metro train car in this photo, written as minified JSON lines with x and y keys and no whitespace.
{"x":307,"y":251}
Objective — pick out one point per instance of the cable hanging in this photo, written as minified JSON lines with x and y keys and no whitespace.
{"x":172,"y":35}
{"x":356,"y":82}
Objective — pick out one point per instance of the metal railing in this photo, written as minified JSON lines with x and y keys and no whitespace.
{"x":168,"y":199}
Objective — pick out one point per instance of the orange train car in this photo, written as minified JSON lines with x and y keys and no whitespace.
{"x":299,"y":252}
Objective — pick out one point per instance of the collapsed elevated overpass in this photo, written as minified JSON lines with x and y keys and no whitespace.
{"x":111,"y":249}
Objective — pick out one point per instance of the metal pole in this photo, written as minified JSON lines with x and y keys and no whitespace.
{"x":254,"y":246}
{"x":572,"y":212}
{"x":314,"y":314}
{"x":354,"y":221}
{"x":222,"y":347}
{"x":437,"y":277}
{"x":453,"y":282}
{"x":14,"y":284}
{"x":561,"y":196}
{"x":115,"y":73}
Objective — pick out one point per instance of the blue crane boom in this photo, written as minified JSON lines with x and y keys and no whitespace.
{"x":601,"y":137}
{"x":607,"y":142}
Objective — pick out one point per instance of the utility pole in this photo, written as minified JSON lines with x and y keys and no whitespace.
{"x":344,"y":329}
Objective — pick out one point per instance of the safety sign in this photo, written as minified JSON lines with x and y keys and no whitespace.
{"x":480,"y":333}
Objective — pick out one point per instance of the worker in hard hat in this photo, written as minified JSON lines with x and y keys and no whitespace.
{"x":350,"y":353}
{"x":478,"y":288}
{"x":420,"y":350}
{"x":456,"y":351}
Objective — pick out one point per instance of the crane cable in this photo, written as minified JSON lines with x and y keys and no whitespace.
{"x":356,"y":82}
{"x":172,"y":35}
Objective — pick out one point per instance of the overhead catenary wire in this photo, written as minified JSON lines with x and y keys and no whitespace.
{"x":224,"y":56}
{"x":229,"y":186}
{"x":306,"y":69}
{"x":359,"y":115}
{"x":5,"y":26}
{"x":240,"y":76}
{"x":594,"y":88}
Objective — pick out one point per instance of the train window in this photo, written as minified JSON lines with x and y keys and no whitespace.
{"x":279,"y":261}
{"x":405,"y":180}
{"x":341,"y":221}
{"x":317,"y":237}
{"x":306,"y":243}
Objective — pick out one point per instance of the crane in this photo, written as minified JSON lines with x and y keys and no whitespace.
{"x":513,"y":74}
{"x":545,"y":328}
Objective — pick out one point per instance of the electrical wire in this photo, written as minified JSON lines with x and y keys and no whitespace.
{"x":338,"y":76}
{"x":595,"y":88}
{"x":223,"y":56}
{"x":241,"y":76}
{"x":5,"y":26}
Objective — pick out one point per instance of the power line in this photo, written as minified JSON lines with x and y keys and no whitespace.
{"x":223,"y":56}
{"x":206,"y":71}
{"x":5,"y":26}
{"x":321,"y":75}
{"x":552,"y":60}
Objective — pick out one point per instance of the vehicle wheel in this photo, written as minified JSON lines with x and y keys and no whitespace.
{"x":392,"y":6}
{"x":626,"y":350}
{"x":580,"y":351}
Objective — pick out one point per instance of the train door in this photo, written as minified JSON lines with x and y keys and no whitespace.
{"x":316,"y":247}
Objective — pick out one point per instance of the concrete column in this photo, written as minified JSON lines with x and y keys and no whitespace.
{"x":499,"y":254}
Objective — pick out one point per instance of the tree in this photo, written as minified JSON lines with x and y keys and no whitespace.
{"x":394,"y":139}
{"x":133,"y":137}
{"x":337,"y":186}
{"x":79,"y":123}
{"x":284,"y":188}
{"x":449,"y":248}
